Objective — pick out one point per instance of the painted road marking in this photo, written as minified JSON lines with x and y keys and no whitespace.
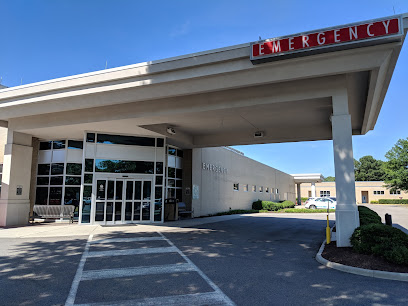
{"x":78,"y":275}
{"x":196,"y":299}
{"x":126,"y":272}
{"x":111,"y":240}
{"x":208,"y":298}
{"x":132,"y":252}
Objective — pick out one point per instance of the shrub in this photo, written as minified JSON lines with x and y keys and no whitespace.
{"x":272,"y":206}
{"x":373,"y":202}
{"x":368,"y":216}
{"x":381,"y":240}
{"x":393,"y":201}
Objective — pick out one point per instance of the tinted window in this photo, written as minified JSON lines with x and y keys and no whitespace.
{"x":171,"y":172}
{"x":126,"y":140}
{"x":89,"y":165}
{"x":179,"y":173}
{"x":72,"y":180}
{"x":90,"y":137}
{"x":45,"y":145}
{"x":56,"y":180}
{"x":55,"y":195}
{"x":57,"y":169}
{"x":75,"y":144}
{"x":41,"y":195}
{"x":160,"y":142}
{"x":159,"y":180}
{"x":58,"y":144}
{"x":43,"y":169}
{"x":159,"y":168}
{"x":43,"y":180}
{"x":180,"y":153}
{"x":74,"y":169}
{"x":88,"y":178}
{"x":172,"y":151}
{"x":124,"y":166}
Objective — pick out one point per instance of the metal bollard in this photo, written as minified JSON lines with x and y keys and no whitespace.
{"x":388,"y":220}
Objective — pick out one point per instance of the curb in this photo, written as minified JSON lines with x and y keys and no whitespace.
{"x":359,"y":271}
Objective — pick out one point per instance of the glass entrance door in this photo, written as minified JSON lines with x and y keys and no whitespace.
{"x":121,"y":200}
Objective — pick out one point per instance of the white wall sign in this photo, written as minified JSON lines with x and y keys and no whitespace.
{"x":214,"y":168}
{"x":196,"y":192}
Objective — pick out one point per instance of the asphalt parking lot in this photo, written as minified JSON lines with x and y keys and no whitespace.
{"x":261,"y":259}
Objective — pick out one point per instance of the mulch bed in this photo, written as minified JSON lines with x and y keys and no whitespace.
{"x":346,"y":256}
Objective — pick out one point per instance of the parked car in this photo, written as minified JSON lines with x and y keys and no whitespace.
{"x":321,"y":202}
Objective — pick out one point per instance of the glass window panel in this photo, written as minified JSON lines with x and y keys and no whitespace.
{"x":109,"y":211}
{"x":71,"y":197}
{"x":160,"y":142}
{"x":171,"y":193}
{"x":179,"y":183}
{"x":75,"y":144}
{"x":88,"y":192}
{"x":88,"y":178}
{"x":146,"y":211}
{"x":179,"y":194}
{"x":58,"y":144}
{"x":158,"y":205}
{"x":86,"y":211}
{"x":100,"y":211}
{"x":57,"y":169}
{"x":126,"y":140}
{"x":124,"y":166}
{"x":180,"y":153}
{"x":56,"y":180}
{"x":128,"y":211}
{"x":41,"y":195}
{"x":1,"y":168}
{"x":45,"y":145}
{"x":159,"y":180}
{"x":129,"y":190}
{"x":171,"y":183}
{"x":136,"y":211}
{"x":158,"y":193}
{"x":101,"y":186}
{"x":159,"y":168}
{"x":171,"y":172}
{"x":89,"y":165}
{"x":179,"y":173}
{"x":43,"y":169}
{"x":171,"y":151}
{"x":90,"y":137}
{"x":118,"y":211}
{"x":74,"y":169}
{"x":72,"y":180}
{"x":147,"y":190}
{"x":43,"y":180}
{"x":111,"y":190}
{"x":138,"y":190}
{"x":119,"y":190}
{"x":55,"y":195}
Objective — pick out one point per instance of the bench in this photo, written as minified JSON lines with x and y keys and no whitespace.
{"x":53,"y":212}
{"x":182,"y":210}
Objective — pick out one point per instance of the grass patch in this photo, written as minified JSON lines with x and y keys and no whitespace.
{"x":304,"y":210}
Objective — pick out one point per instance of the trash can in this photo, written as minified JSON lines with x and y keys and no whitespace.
{"x":170,"y":209}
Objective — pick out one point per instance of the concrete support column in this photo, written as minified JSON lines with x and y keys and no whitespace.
{"x":347,"y":218}
{"x":15,"y":191}
{"x":299,"y":199}
{"x":313,"y":189}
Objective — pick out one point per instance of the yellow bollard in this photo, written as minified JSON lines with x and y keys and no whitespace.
{"x":328,"y":231}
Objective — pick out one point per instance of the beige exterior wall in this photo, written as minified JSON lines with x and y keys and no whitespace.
{"x":216,"y":188}
{"x":362,"y":188}
{"x":3,"y":140}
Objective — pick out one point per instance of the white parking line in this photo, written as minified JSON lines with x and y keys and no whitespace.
{"x":132,"y":252}
{"x":110,"y":240}
{"x":126,"y":272}
{"x":196,"y":299}
{"x":78,"y":275}
{"x":217,"y":290}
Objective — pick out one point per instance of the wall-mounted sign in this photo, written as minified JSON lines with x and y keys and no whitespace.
{"x":19,"y":190}
{"x":214,"y":168}
{"x":196,"y":192}
{"x":329,"y":39}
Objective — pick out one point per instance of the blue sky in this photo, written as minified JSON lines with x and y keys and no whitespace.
{"x":46,"y":39}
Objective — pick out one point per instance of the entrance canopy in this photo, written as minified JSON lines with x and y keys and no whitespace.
{"x":221,"y":97}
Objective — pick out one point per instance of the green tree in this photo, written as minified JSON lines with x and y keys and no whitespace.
{"x":396,"y":167}
{"x":367,"y":168}
{"x":329,"y":179}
